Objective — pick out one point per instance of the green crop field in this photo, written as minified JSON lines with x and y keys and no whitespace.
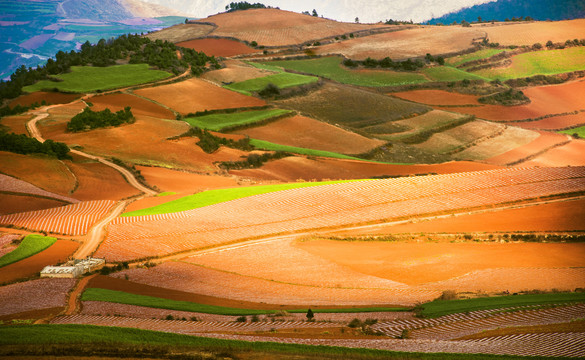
{"x":30,"y":245}
{"x":211,"y":197}
{"x":282,"y":80}
{"x":478,"y":55}
{"x":266,"y":145}
{"x":90,"y":340}
{"x":447,"y":73}
{"x":87,"y":78}
{"x":217,"y":122}
{"x":331,"y":68}
{"x":545,"y":62}
{"x":445,"y":307}
{"x":579,"y":131}
{"x":95,"y":294}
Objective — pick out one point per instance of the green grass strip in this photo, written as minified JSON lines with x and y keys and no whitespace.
{"x":445,"y":307}
{"x":282,"y":80}
{"x":579,"y":131}
{"x":217,"y":122}
{"x":126,"y":340}
{"x":266,"y":145}
{"x":83,"y":79}
{"x":30,"y":245}
{"x":216,"y":196}
{"x":331,"y":68}
{"x":447,"y":73}
{"x":478,"y":55}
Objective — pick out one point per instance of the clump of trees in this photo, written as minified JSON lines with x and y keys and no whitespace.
{"x":210,"y":143}
{"x":22,"y":144}
{"x":243,"y":5}
{"x":508,"y":97}
{"x":89,"y":119}
{"x":387,"y":63}
{"x":253,"y":161}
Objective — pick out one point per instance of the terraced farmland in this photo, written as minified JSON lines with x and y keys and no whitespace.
{"x":219,"y":122}
{"x":283,"y":80}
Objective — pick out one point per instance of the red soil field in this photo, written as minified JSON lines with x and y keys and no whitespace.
{"x":555,"y":122}
{"x":437,"y":97}
{"x":274,"y":27}
{"x":13,"y":185}
{"x":19,"y":203}
{"x":39,"y":96}
{"x":566,"y":155}
{"x":6,"y":244}
{"x":16,"y":123}
{"x":34,"y":295}
{"x":295,"y":168}
{"x":98,"y":181}
{"x":49,"y":174}
{"x":116,"y":102}
{"x":218,"y":47}
{"x":545,"y":141}
{"x":184,"y":182}
{"x":235,"y":71}
{"x":545,"y":100}
{"x":198,"y":95}
{"x":56,"y":253}
{"x":534,"y":32}
{"x":406,"y":43}
{"x":419,"y":263}
{"x":308,"y":133}
{"x":557,"y":216}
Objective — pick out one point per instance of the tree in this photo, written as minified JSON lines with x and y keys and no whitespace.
{"x":357,"y":19}
{"x":479,"y":19}
{"x":314,"y":13}
{"x":310,"y":315}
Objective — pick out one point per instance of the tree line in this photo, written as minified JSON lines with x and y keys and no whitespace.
{"x":243,"y":5}
{"x":22,"y":144}
{"x":89,"y":119}
{"x":387,"y":63}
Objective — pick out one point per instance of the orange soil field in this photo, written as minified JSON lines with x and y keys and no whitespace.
{"x":218,"y":47}
{"x":534,"y":32}
{"x":419,"y":263}
{"x":543,"y":142}
{"x":34,"y":295}
{"x":116,"y":102}
{"x":556,"y":216}
{"x":273,"y":27}
{"x":406,"y":43}
{"x":19,"y":203}
{"x":295,"y":168}
{"x":16,"y":123}
{"x":100,"y":182}
{"x":197,"y":95}
{"x":566,"y":155}
{"x":13,"y":185}
{"x":181,"y":32}
{"x":545,"y":100}
{"x":437,"y":97}
{"x":555,"y":123}
{"x":235,"y":71}
{"x":511,"y":138}
{"x":39,"y":96}
{"x":308,"y":133}
{"x":56,"y":253}
{"x":184,"y":182}
{"x":49,"y":174}
{"x":329,"y":206}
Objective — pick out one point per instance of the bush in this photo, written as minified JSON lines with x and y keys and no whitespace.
{"x":269,"y":90}
{"x":22,"y":144}
{"x":241,"y":319}
{"x":90,"y":119}
{"x":253,"y":44}
{"x":448,"y":295}
{"x":355,"y":323}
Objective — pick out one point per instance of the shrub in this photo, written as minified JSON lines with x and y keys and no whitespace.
{"x":253,"y":44}
{"x":355,"y":323}
{"x":405,"y":334}
{"x":269,"y":90}
{"x":241,"y":319}
{"x":255,"y":318}
{"x":169,"y":317}
{"x":90,"y":119}
{"x":448,"y":295}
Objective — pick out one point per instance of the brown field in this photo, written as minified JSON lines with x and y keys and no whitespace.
{"x":184,"y":182}
{"x":6,"y":244}
{"x":415,"y":263}
{"x":534,"y":32}
{"x":437,"y":97}
{"x":98,"y":181}
{"x":544,"y":141}
{"x":116,"y":102}
{"x":197,"y":95}
{"x":219,"y":47}
{"x":12,"y":185}
{"x":308,"y":133}
{"x":557,"y":216}
{"x":554,"y":123}
{"x":510,"y":139}
{"x":49,"y":174}
{"x":181,"y":32}
{"x":426,"y":121}
{"x":566,"y":155}
{"x":297,"y":168}
{"x":273,"y":27}
{"x":34,"y":295}
{"x":39,"y":96}
{"x":16,"y":123}
{"x":461,"y":136}
{"x":545,"y":100}
{"x":235,"y":71}
{"x":405,"y":44}
{"x":10,"y":204}
{"x":56,"y":253}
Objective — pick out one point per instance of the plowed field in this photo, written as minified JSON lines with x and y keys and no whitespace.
{"x":10,"y":204}
{"x":511,"y":138}
{"x":116,"y":102}
{"x":34,"y":295}
{"x":184,"y":182}
{"x":56,"y":253}
{"x":181,"y":32}
{"x":39,"y":96}
{"x":98,"y":181}
{"x":218,"y":47}
{"x":13,"y":185}
{"x":566,"y":155}
{"x":400,"y":45}
{"x":16,"y":123}
{"x":437,"y":97}
{"x":197,"y":95}
{"x":308,"y":133}
{"x":555,"y":123}
{"x":236,"y":71}
{"x":545,"y":141}
{"x":535,"y":32}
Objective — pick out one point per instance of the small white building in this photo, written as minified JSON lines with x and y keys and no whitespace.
{"x":73,"y":268}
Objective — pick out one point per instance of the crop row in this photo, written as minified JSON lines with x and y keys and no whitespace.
{"x":71,"y":219}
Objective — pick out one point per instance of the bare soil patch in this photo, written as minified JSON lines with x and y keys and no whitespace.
{"x":437,"y":97}
{"x":116,"y":102}
{"x":198,"y":95}
{"x":534,"y":32}
{"x":555,"y":122}
{"x":461,"y":136}
{"x":541,"y":143}
{"x":308,"y":133}
{"x":34,"y":295}
{"x":39,"y":96}
{"x":566,"y":155}
{"x":418,"y":263}
{"x":184,"y":182}
{"x":56,"y":253}
{"x":219,"y":47}
{"x":406,"y":43}
{"x":10,"y":204}
{"x":16,"y":123}
{"x":235,"y":71}
{"x":98,"y":181}
{"x":181,"y":32}
{"x":510,"y":139}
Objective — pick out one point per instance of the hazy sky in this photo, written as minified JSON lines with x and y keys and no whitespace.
{"x":343,"y":10}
